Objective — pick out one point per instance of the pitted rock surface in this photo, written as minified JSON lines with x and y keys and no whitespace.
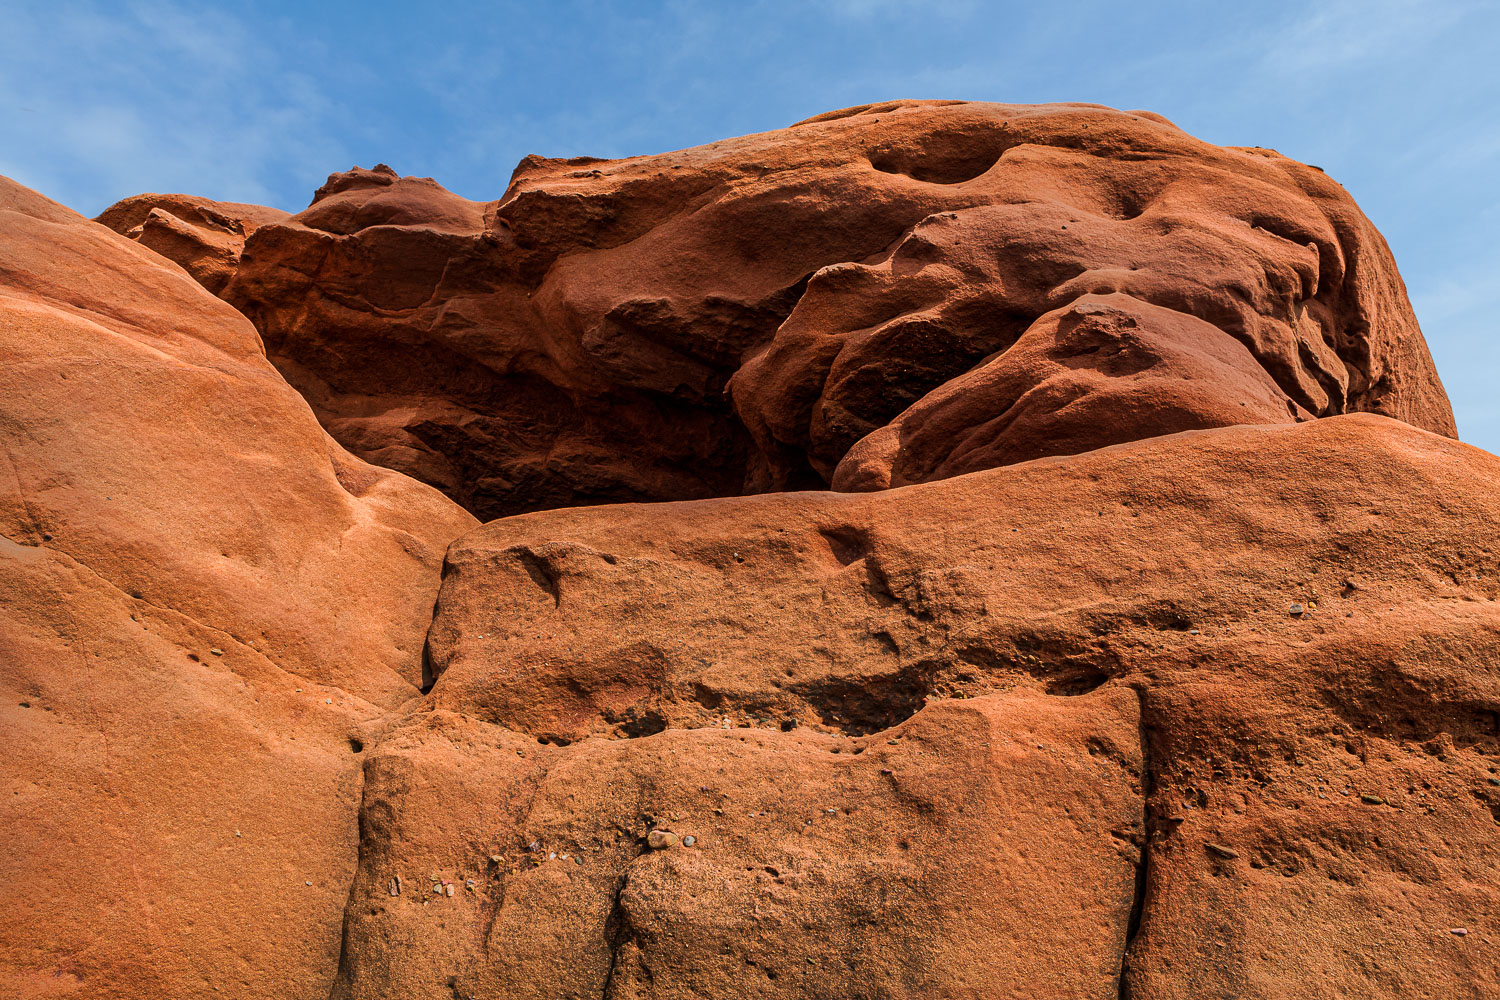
{"x":902,"y":865}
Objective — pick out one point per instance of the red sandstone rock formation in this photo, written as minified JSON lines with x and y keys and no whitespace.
{"x":912,"y":864}
{"x":1317,"y":811}
{"x":875,"y":283}
{"x":203,"y":236}
{"x":1116,"y":699}
{"x":209,"y":608}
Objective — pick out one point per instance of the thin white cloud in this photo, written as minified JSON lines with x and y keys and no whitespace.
{"x":1329,"y":36}
{"x":157,"y":96}
{"x":868,"y":9}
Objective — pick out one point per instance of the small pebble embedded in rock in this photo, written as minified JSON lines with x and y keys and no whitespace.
{"x":689,"y":840}
{"x":1372,"y":800}
{"x":661,"y":839}
{"x":1296,"y":609}
{"x":1222,"y":851}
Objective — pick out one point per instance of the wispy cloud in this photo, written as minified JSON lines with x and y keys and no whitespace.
{"x":884,"y":8}
{"x":1329,"y":36}
{"x":156,"y":96}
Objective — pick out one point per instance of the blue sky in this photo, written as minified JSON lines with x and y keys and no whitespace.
{"x":259,"y":101}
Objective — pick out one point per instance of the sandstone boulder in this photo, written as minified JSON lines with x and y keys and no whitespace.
{"x":1313,"y":653}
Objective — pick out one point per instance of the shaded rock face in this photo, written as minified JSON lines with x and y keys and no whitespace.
{"x":879,"y":296}
{"x":1109,"y":671}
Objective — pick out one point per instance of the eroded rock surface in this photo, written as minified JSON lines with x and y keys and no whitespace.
{"x":873,"y":283}
{"x":1111,"y":671}
{"x":1170,"y":566}
{"x":204,"y":237}
{"x":801,"y":864}
{"x":208,"y":606}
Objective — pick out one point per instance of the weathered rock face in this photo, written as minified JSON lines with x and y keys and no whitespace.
{"x":204,"y":237}
{"x":1213,"y":713}
{"x":208,"y":608}
{"x":1320,"y":791}
{"x":926,"y":288}
{"x":800,"y":864}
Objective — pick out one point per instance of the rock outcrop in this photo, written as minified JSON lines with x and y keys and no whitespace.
{"x":209,"y":609}
{"x":1309,"y":800}
{"x":914,"y":290}
{"x":204,"y":237}
{"x":1130,"y":658}
{"x":790,"y":864}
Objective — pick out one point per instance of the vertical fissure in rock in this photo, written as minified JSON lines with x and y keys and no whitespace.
{"x":341,"y":971}
{"x":1143,"y":865}
{"x":614,"y":932}
{"x":496,"y":903}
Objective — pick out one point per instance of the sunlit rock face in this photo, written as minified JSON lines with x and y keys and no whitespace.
{"x":204,"y":237}
{"x":877,"y":296}
{"x":205,"y":604}
{"x":1122,"y":657}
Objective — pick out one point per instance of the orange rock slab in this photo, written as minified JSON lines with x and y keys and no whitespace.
{"x":982,"y":849}
{"x":1298,"y":640}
